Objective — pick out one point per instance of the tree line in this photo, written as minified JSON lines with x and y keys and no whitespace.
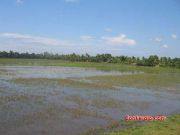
{"x":152,"y":60}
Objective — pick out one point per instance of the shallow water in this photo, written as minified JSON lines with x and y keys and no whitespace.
{"x":53,"y":72}
{"x":57,"y":109}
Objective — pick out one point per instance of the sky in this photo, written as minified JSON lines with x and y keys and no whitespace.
{"x":119,"y":27}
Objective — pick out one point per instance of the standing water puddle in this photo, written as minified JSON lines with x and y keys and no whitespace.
{"x":51,"y":108}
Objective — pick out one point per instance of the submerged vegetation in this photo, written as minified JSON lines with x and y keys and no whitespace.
{"x":152,"y":60}
{"x":86,"y":102}
{"x":62,"y":82}
{"x":165,"y":81}
{"x":147,"y":81}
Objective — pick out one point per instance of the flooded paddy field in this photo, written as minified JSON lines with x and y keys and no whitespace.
{"x":51,"y":100}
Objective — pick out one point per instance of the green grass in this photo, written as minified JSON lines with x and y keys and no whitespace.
{"x":153,"y":77}
{"x":146,"y":80}
{"x":171,"y":126}
{"x":40,"y":62}
{"x":100,"y":66}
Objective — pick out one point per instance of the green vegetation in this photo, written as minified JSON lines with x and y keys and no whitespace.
{"x":171,"y":126}
{"x":160,"y":81}
{"x":150,"y":77}
{"x":152,"y":60}
{"x":100,"y":66}
{"x":165,"y":81}
{"x":156,"y":78}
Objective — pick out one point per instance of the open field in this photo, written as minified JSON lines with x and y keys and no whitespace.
{"x":75,"y":98}
{"x":100,"y":66}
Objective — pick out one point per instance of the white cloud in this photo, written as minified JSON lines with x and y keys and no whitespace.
{"x":157,"y":39}
{"x":174,"y":36}
{"x":28,"y":39}
{"x":108,"y":30}
{"x":119,"y":40}
{"x":165,"y":46}
{"x":71,"y":1}
{"x":86,"y":38}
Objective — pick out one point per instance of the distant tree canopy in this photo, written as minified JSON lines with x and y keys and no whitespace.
{"x":152,"y":60}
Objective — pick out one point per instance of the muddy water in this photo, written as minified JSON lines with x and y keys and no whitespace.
{"x":53,"y":109}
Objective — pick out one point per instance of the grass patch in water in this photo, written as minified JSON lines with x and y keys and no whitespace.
{"x":101,"y":103}
{"x":146,"y":80}
{"x":61,"y":82}
{"x":96,"y":102}
{"x":18,"y":98}
{"x":60,"y":113}
{"x":2,"y":90}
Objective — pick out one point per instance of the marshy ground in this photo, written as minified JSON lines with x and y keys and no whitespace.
{"x":81,"y":98}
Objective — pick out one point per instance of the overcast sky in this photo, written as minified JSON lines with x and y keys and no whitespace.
{"x":119,"y":27}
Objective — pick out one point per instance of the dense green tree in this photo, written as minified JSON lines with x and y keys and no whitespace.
{"x":152,"y":60}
